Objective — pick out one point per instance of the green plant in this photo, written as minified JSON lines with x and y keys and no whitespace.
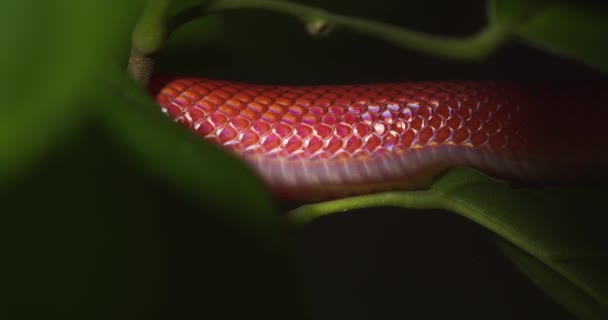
{"x":104,"y":200}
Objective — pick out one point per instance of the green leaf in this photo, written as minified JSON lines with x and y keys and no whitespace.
{"x":571,"y":29}
{"x":90,"y":234}
{"x":213,"y":176}
{"x":52,"y":52}
{"x":555,"y":285}
{"x":548,"y":223}
{"x":227,"y":239}
{"x":83,"y":235}
{"x":563,"y":228}
{"x":512,"y":12}
{"x":96,"y":229}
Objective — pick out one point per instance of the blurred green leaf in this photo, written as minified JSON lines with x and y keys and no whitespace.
{"x":227,"y":240}
{"x":572,"y":29}
{"x":213,"y":176}
{"x":512,"y":12}
{"x":92,"y":235}
{"x":51,"y":53}
{"x":84,"y":236}
{"x":96,"y":229}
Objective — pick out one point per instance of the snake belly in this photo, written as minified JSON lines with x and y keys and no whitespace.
{"x":320,"y":142}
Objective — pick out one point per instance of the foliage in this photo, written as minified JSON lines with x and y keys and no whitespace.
{"x":109,"y":211}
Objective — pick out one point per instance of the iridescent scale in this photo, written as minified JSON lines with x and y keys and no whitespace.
{"x":311,"y":142}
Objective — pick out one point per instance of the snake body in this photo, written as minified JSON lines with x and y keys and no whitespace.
{"x":318,"y":142}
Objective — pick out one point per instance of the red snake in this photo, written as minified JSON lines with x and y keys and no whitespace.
{"x":316,"y":142}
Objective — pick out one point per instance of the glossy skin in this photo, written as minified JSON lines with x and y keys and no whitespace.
{"x":318,"y":142}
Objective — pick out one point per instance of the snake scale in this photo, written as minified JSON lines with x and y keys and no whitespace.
{"x":329,"y":141}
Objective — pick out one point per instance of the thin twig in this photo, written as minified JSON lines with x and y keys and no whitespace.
{"x":474,"y":47}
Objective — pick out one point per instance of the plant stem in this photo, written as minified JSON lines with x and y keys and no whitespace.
{"x":412,"y":199}
{"x":147,"y":39}
{"x":474,"y":47}
{"x":151,"y":31}
{"x":140,"y":67}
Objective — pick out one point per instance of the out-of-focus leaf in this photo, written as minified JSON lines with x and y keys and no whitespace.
{"x":229,"y":245}
{"x":514,"y":11}
{"x":52,"y":52}
{"x":555,"y":285}
{"x":213,"y":176}
{"x":572,"y":29}
{"x":91,"y":235}
{"x":82,"y":237}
